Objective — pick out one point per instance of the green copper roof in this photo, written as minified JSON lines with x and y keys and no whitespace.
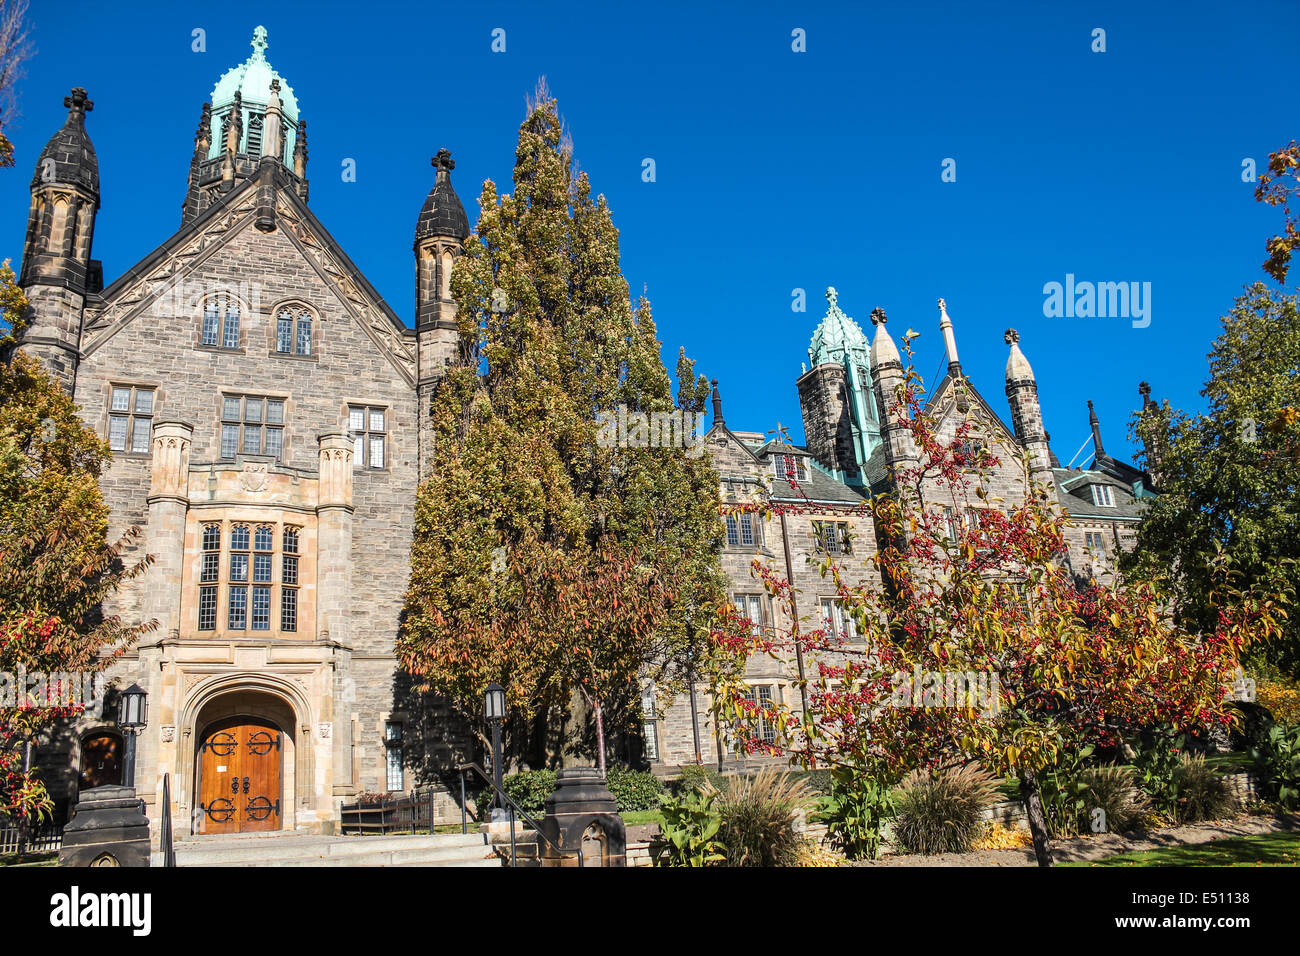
{"x":838,"y":336}
{"x":252,"y":79}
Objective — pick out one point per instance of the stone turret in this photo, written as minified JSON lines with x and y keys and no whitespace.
{"x":440,"y":234}
{"x":840,"y":420}
{"x":57,"y":271}
{"x":1026,"y":415}
{"x":887,"y":371}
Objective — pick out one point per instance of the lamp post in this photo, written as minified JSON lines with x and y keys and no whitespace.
{"x":494,"y":709}
{"x":132,"y":715}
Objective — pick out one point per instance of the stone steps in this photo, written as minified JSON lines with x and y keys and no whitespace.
{"x":440,"y":849}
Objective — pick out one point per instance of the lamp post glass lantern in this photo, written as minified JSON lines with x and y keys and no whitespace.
{"x":494,"y":708}
{"x":132,"y":715}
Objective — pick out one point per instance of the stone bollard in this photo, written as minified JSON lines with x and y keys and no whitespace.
{"x":108,"y":830}
{"x":582,"y":812}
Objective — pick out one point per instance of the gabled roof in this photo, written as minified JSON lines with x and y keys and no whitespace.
{"x":941,"y":392}
{"x":159,"y":272}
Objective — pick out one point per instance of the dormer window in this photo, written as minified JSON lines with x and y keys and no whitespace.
{"x":790,"y":467}
{"x":1103,"y":496}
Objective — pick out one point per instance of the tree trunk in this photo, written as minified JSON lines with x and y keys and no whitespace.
{"x":600,"y":737}
{"x":1037,"y":821}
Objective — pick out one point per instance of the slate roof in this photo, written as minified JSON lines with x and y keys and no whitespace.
{"x":1072,"y":488}
{"x":442,"y":213}
{"x":69,"y":156}
{"x":819,"y":486}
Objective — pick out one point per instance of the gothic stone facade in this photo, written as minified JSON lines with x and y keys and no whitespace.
{"x":267,"y":413}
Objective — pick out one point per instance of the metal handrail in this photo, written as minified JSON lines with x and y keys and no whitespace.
{"x":514,"y":808}
{"x":165,"y":828}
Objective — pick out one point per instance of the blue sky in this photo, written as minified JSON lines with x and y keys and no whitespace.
{"x":775,"y":170}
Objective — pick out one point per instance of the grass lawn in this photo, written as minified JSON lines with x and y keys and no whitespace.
{"x":640,"y":817}
{"x":31,"y":859}
{"x":1266,"y":849}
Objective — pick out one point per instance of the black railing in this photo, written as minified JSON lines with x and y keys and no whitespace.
{"x":504,"y":797}
{"x":390,"y":814}
{"x":165,"y":840}
{"x":20,"y":840}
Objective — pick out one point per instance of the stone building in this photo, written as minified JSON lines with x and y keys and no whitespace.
{"x":267,"y":413}
{"x":819,"y":496}
{"x":264,"y":406}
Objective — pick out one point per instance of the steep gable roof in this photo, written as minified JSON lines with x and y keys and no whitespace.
{"x":162,"y":270}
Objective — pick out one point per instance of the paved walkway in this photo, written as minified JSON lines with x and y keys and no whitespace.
{"x":1095,"y":847}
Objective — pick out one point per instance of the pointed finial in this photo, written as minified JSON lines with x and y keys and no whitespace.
{"x":949,"y":340}
{"x":1011,"y":336}
{"x":1144,"y":389}
{"x":717,"y":404}
{"x":1097,"y":448}
{"x":275,"y":84}
{"x":943,"y":308}
{"x":1092,"y":413}
{"x":832,"y":297}
{"x":878,"y":316}
{"x":259,"y":43}
{"x":77,"y":102}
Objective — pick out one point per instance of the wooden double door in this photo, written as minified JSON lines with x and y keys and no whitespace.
{"x":239,"y":776}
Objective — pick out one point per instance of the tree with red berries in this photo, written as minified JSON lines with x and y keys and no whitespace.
{"x":980,"y":645}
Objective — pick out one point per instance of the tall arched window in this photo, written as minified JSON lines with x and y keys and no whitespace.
{"x":221,"y":322}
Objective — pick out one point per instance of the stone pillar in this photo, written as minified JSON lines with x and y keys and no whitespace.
{"x":334,"y":537}
{"x":168,"y":502}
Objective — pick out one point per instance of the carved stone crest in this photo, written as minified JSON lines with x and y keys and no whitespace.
{"x":254,"y":477}
{"x":326,"y":730}
{"x":168,"y":733}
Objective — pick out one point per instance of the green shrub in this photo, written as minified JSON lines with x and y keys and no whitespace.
{"x":1064,"y":793}
{"x":1202,"y":793}
{"x":940,"y":812}
{"x":694,"y":778}
{"x":634,"y":789}
{"x":1157,"y":762}
{"x":759,"y":816}
{"x":818,"y":781}
{"x":690,"y":829}
{"x":1277,"y":764}
{"x":855,"y":812}
{"x":528,"y":788}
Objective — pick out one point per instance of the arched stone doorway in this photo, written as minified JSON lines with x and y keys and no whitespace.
{"x":101,"y":760}
{"x":244,"y":763}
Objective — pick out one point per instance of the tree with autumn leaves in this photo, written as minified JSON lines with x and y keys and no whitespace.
{"x":557,"y":565}
{"x":57,"y":566}
{"x":1056,"y":667}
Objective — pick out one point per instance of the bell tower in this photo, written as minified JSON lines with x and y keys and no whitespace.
{"x":57,"y":271}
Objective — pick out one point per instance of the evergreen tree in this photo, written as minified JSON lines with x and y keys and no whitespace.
{"x":546,"y":557}
{"x":1229,"y":479}
{"x":56,"y":564}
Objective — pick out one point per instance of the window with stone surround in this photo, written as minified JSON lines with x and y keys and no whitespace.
{"x":252,"y":425}
{"x":130,"y":419}
{"x":396,"y":771}
{"x":650,"y":723}
{"x":756,"y":607}
{"x":293,"y":327}
{"x":762,"y":697}
{"x":832,"y":537}
{"x":220,"y":322}
{"x":1095,"y":540}
{"x":239,"y":589}
{"x":368,"y":426}
{"x":837,"y":621}
{"x":744,"y":530}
